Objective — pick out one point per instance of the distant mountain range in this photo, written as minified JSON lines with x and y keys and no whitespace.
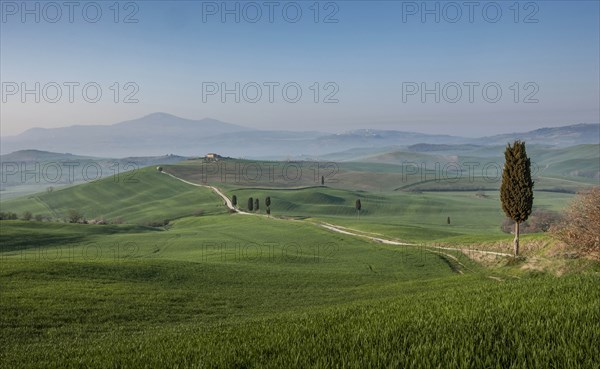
{"x":160,"y":133}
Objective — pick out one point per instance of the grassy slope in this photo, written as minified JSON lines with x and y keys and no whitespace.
{"x":149,"y":196}
{"x":164,"y":314}
{"x":202,"y":272}
{"x":408,"y":216}
{"x":177,"y":297}
{"x":411,"y":171}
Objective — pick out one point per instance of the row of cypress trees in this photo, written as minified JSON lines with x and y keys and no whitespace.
{"x":253,"y":204}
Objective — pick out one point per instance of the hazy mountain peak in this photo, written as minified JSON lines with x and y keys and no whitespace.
{"x":160,"y":132}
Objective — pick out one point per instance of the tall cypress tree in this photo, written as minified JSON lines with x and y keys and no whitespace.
{"x":250,"y":204}
{"x":234,"y":201}
{"x":516,"y":192}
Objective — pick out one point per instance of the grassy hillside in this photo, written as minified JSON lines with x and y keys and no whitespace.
{"x":236,"y":291}
{"x":147,"y":196}
{"x":408,"y":216}
{"x":555,"y":170}
{"x":27,"y":172}
{"x":165,"y":314}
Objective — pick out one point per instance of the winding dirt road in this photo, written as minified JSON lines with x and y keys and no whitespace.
{"x":227,"y":203}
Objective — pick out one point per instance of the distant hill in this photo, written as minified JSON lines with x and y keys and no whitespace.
{"x":580,"y":162}
{"x":160,"y":133}
{"x":577,"y":134}
{"x":25,"y":156}
{"x":425,"y":147}
{"x":151,"y":135}
{"x":41,"y":156}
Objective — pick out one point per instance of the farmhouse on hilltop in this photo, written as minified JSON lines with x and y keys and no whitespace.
{"x":212,"y":156}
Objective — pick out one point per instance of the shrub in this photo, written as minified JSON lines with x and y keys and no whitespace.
{"x":26,"y":215}
{"x":539,"y":221}
{"x":8,"y":216}
{"x":158,"y":223}
{"x":39,"y":218}
{"x":74,"y":216}
{"x":542,"y":220}
{"x":581,"y":223}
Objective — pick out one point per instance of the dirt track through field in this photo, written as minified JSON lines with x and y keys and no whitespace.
{"x":337,"y":228}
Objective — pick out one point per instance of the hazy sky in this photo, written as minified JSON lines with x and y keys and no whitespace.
{"x":373,"y":58}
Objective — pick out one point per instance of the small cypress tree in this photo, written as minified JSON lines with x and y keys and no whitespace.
{"x":516,"y":191}
{"x":322,"y":180}
{"x":268,"y":201}
{"x":250,"y":204}
{"x":234,"y":200}
{"x":448,"y":220}
{"x":358,"y":206}
{"x":256,"y":204}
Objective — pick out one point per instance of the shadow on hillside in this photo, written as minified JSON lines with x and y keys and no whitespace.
{"x":32,"y":241}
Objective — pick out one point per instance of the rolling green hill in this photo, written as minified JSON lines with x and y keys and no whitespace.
{"x":140,"y":197}
{"x":417,"y":213}
{"x":414,"y":217}
{"x":472,"y":169}
{"x":27,"y":172}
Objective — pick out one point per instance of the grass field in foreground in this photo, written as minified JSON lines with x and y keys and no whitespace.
{"x":159,"y":313}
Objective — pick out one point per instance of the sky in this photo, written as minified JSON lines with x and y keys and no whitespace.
{"x":332,"y":66}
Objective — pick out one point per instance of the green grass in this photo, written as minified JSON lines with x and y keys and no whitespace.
{"x":410,"y":215}
{"x":237,"y":291}
{"x":149,"y":196}
{"x":189,"y":314}
{"x":19,"y":236}
{"x":414,"y":217}
{"x":92,"y":282}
